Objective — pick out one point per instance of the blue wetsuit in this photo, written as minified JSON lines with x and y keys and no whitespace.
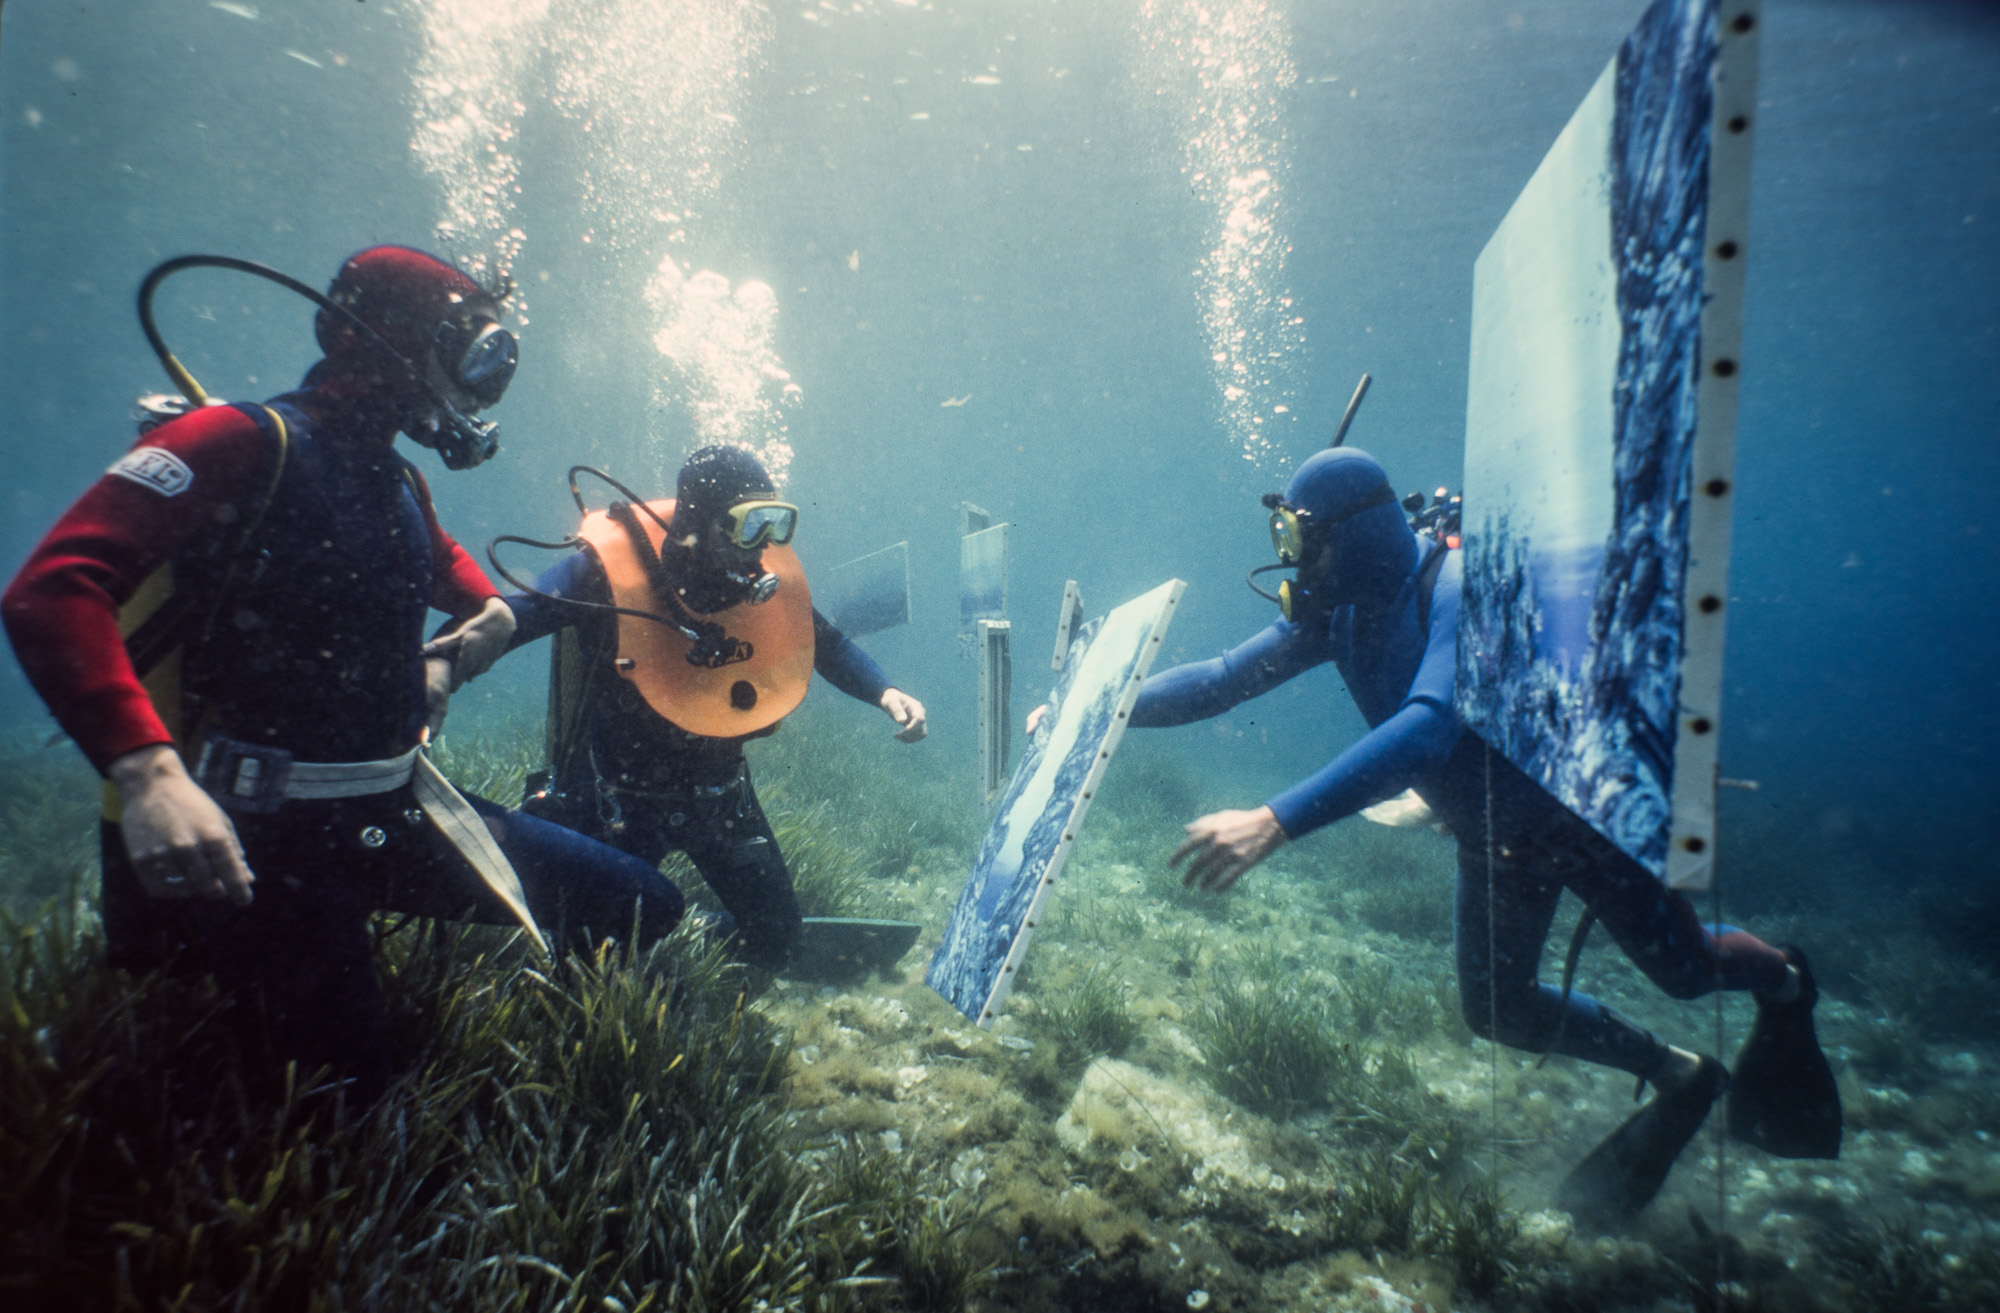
{"x":649,"y":787}
{"x":1399,"y":661}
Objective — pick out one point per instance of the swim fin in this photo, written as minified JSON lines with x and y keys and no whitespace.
{"x":1623,"y":1173}
{"x":833,"y":948}
{"x":1782,"y":1096}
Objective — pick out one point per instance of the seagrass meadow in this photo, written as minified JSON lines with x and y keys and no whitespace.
{"x":1260,"y":1101}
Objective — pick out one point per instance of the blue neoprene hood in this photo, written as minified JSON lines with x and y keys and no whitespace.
{"x":1373,"y":551}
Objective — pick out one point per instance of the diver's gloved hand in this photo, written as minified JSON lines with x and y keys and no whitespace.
{"x":905,"y":711}
{"x":1224,"y":845}
{"x":181,"y":844}
{"x":475,"y":644}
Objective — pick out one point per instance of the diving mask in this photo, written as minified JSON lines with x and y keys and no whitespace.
{"x":1290,"y":527}
{"x":1288,"y":533}
{"x":478,"y":355}
{"x":753,"y":524}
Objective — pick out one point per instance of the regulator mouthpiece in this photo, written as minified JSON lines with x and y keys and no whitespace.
{"x":461,"y":441}
{"x":758,"y":589}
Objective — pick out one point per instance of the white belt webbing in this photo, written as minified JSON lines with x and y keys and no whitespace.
{"x":466,"y":831}
{"x":444,"y":805}
{"x":349,"y":779}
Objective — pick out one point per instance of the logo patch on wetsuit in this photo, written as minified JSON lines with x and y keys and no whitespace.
{"x":155,"y":468}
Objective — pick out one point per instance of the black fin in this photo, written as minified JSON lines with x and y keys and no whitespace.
{"x":1623,"y":1173}
{"x":835,"y":948}
{"x":1782,"y":1095}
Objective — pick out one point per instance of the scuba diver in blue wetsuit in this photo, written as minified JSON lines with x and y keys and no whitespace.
{"x":1380,"y":602}
{"x":682,"y":629}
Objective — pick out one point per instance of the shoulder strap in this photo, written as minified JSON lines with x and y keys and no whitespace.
{"x":1427,"y":577}
{"x":183,"y":615}
{"x":574,"y":675}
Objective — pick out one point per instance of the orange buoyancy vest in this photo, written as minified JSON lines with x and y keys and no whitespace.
{"x":722,"y":702}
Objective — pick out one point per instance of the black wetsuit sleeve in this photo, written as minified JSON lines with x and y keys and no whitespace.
{"x":577,"y":576}
{"x":845,"y":666}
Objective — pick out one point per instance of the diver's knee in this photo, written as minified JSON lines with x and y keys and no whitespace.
{"x":1684,"y":986}
{"x":1479,"y":1015}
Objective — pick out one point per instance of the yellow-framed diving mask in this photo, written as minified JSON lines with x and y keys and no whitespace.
{"x":1288,"y":534}
{"x":754,"y":524}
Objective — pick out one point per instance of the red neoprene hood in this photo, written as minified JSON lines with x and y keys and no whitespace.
{"x":403,"y":293}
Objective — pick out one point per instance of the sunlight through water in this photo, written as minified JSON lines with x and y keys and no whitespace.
{"x":655,"y":88}
{"x":1218,"y":68}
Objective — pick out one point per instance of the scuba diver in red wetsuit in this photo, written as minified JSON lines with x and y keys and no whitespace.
{"x":1380,"y":602}
{"x":229,"y":624}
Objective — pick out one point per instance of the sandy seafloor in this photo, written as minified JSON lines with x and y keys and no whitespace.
{"x":1129,"y":1182}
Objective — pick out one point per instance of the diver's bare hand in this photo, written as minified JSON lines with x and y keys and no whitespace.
{"x":438,"y":683}
{"x":907,"y":712}
{"x":181,"y":844}
{"x":1223,"y":845}
{"x":476,"y":643}
{"x":1035,"y":718}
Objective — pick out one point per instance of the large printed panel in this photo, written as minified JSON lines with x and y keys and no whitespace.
{"x":1045,"y":804}
{"x":868,"y":594}
{"x":1596,"y":393}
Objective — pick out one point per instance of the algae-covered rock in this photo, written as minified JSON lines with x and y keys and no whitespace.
{"x":1125,"y":1114}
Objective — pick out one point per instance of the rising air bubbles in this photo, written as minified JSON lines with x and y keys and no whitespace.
{"x":655,"y":88}
{"x":1217,"y":67}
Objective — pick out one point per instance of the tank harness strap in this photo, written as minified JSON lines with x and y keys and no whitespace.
{"x":1427,"y":577}
{"x":577,"y":671}
{"x":170,"y":625}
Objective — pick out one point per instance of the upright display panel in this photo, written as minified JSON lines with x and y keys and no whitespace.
{"x":870,"y":593}
{"x":982,"y":575}
{"x":1045,"y":804}
{"x":1600,"y":434}
{"x":996,"y":685}
{"x":1066,"y":623}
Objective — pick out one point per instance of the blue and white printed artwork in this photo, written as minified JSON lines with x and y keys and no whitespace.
{"x":1580,"y":435}
{"x":868,"y":594}
{"x":1045,"y":802}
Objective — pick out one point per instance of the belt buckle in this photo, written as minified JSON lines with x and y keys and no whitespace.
{"x":243,"y":777}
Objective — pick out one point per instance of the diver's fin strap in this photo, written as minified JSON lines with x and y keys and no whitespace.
{"x":466,"y":831}
{"x":1577,"y":939}
{"x":167,"y":626}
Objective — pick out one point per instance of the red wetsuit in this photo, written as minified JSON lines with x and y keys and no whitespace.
{"x":61,"y":611}
{"x":317,"y":650}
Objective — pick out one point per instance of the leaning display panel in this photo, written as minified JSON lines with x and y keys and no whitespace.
{"x":1600,"y":435}
{"x":1045,"y":803}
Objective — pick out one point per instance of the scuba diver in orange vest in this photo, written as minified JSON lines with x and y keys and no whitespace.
{"x":682,"y":629}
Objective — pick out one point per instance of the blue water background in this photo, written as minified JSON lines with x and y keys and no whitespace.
{"x":1055,"y":287}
